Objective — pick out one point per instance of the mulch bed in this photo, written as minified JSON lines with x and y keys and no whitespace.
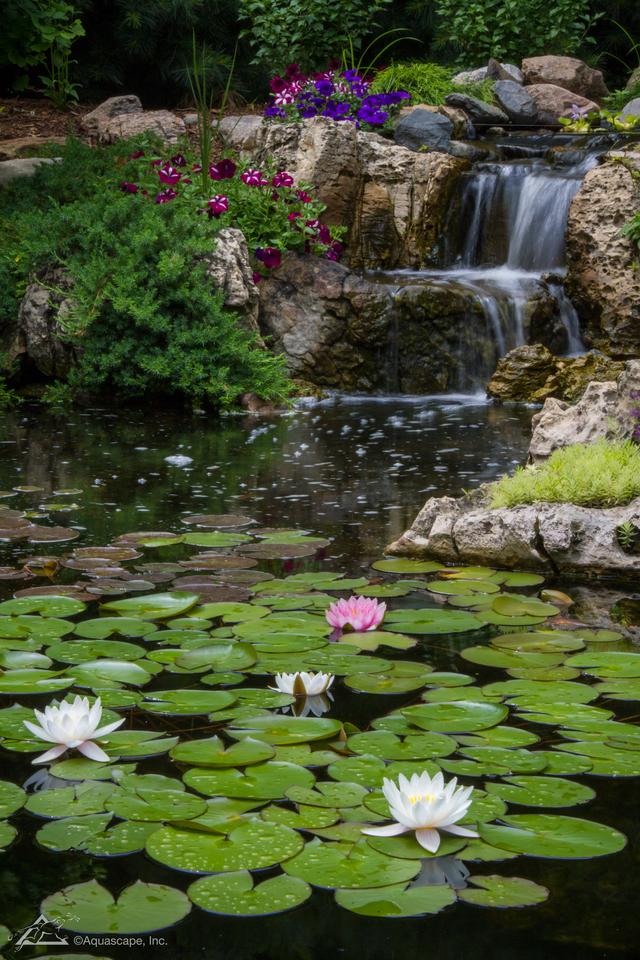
{"x":26,"y":117}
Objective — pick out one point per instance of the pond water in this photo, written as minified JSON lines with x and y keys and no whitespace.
{"x":354,"y":471}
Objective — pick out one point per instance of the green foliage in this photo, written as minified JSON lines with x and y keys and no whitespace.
{"x":617,"y":100}
{"x":306,"y":32}
{"x":426,"y":82}
{"x":602,"y":474}
{"x":631,"y":229}
{"x":146,"y":315}
{"x":31,"y":28}
{"x":512,"y":29}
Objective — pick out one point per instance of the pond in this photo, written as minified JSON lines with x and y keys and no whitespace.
{"x":352,"y":472}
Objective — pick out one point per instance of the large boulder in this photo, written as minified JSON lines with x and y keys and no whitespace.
{"x":423,"y":129}
{"x":566,"y":72}
{"x":515,"y":101}
{"x":393,"y":201}
{"x":20,"y":167}
{"x":631,"y":109}
{"x":605,"y":411}
{"x":37,"y":339}
{"x":119,"y":118}
{"x":508,"y":71}
{"x":532,"y":373}
{"x":229,"y":268}
{"x":602,"y":276}
{"x":482,"y":114}
{"x":553,"y":102}
{"x":557,"y":538}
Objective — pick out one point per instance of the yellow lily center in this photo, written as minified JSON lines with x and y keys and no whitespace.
{"x":427,"y":797}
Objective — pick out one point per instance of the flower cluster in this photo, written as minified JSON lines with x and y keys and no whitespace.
{"x":273,"y":212}
{"x":338,"y":95}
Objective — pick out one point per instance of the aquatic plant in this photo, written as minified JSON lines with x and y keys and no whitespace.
{"x":356,"y":613}
{"x":425,"y":805}
{"x":303,"y":684}
{"x":601,"y":474}
{"x":340,"y":95}
{"x":72,"y":726}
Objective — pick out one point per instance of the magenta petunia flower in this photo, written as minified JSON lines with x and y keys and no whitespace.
{"x":271,"y":257}
{"x":282,"y":179}
{"x":292,"y":217}
{"x":166,"y":195}
{"x":253,"y":178}
{"x":356,"y":613}
{"x":136,"y":155}
{"x":256,"y":277}
{"x":223,"y":170}
{"x":303,"y":196}
{"x":128,"y":187}
{"x":218,"y":205}
{"x":169,"y":175}
{"x":178,"y":160}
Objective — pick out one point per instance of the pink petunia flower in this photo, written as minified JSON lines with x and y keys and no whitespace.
{"x":218,"y":205}
{"x":169,"y":175}
{"x":253,"y":178}
{"x":282,"y":179}
{"x":357,"y":613}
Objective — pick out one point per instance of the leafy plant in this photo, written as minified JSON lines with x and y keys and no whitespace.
{"x":512,"y":29}
{"x":57,"y":83}
{"x":33,"y":28}
{"x":426,"y":82}
{"x":602,"y":474}
{"x":631,"y":229}
{"x":618,"y":100}
{"x":582,"y":120}
{"x":628,"y":535}
{"x":146,"y":315}
{"x":307,"y":32}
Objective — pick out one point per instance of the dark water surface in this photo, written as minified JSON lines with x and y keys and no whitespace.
{"x":355,"y":471}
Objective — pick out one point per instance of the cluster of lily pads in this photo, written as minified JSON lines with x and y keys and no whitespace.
{"x":253,"y":783}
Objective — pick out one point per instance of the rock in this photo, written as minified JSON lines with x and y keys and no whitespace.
{"x":393,"y":201}
{"x":483,"y":73}
{"x":634,"y":79}
{"x":481,"y":113}
{"x":566,"y":72}
{"x":553,"y":538}
{"x":602,"y":276}
{"x":422,"y":128}
{"x":604,"y":411}
{"x":229,"y":268}
{"x":20,"y":146}
{"x":468,"y":151}
{"x":242,"y":133}
{"x":121,"y":117}
{"x":37,"y":337}
{"x":515,"y":101}
{"x":521,"y":373}
{"x":532,"y":373}
{"x":631,"y":109}
{"x":12,"y":169}
{"x":553,"y":102}
{"x":462,"y":126}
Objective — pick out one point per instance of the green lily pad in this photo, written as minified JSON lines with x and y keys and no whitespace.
{"x":49,"y":606}
{"x":87,"y":797}
{"x":541,"y":791}
{"x":284,"y":730}
{"x":540,"y":641}
{"x":154,"y":606}
{"x":105,"y":672}
{"x":456,"y":716}
{"x":212,"y":752}
{"x":253,"y":845}
{"x":612,"y":664}
{"x":348,"y":866}
{"x":12,"y":798}
{"x":81,"y":768}
{"x":373,"y":639}
{"x":396,"y":900}
{"x":383,"y":683}
{"x":400,"y":565}
{"x":82,"y":651}
{"x":406,"y":847}
{"x":500,"y":737}
{"x":103,"y":627}
{"x":30,"y":625}
{"x":388,"y":746}
{"x":327,"y":794}
{"x":218,"y":656}
{"x":364,"y":769}
{"x":152,"y":804}
{"x":436,"y":621}
{"x":264,"y":781}
{"x":140,"y":908}
{"x":234,"y":894}
{"x":454,"y":588}
{"x":512,"y":606}
{"x":136,"y":744}
{"x":547,"y":836}
{"x":306,"y":817}
{"x":490,"y":657}
{"x":187,"y":703}
{"x":33,"y":681}
{"x":558,"y":691}
{"x":605,"y":759}
{"x":120,"y":840}
{"x":71,"y":833}
{"x":497,"y":891}
{"x":7,"y":834}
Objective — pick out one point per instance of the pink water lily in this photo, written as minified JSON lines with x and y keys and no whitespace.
{"x":357,"y":613}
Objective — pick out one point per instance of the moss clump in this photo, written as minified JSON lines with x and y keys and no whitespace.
{"x":602,"y":474}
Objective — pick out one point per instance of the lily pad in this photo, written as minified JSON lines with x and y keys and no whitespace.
{"x":285,"y":730}
{"x":12,"y":798}
{"x":235,"y":895}
{"x":50,"y":606}
{"x":212,"y":752}
{"x":388,"y":746}
{"x":397,"y":900}
{"x":541,"y":791}
{"x":253,"y":845}
{"x":401,"y":565}
{"x":187,"y":703}
{"x":497,"y":891}
{"x":103,"y":627}
{"x":141,"y":908}
{"x":436,"y":621}
{"x":547,"y":836}
{"x":348,"y":866}
{"x":155,"y":606}
{"x":456,"y":716}
{"x":264,"y":781}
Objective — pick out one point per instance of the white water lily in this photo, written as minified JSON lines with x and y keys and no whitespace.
{"x":303,"y":684}
{"x":425,"y":805}
{"x":71,"y":725}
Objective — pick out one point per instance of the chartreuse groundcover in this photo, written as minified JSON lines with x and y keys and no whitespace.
{"x":178,"y":650}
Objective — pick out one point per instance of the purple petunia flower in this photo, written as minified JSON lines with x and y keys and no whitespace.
{"x":251,"y":177}
{"x":273,"y":111}
{"x":303,"y":196}
{"x":166,"y":195}
{"x":271,"y":257}
{"x":324,"y":87}
{"x":127,"y":187}
{"x":169,"y":175}
{"x":372,"y":115}
{"x":178,"y":160}
{"x":223,"y":170}
{"x":218,"y":205}
{"x":282,"y":179}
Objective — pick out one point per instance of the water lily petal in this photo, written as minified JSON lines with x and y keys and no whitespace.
{"x":50,"y":754}
{"x":391,"y":830}
{"x":93,"y":751}
{"x":429,"y":839}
